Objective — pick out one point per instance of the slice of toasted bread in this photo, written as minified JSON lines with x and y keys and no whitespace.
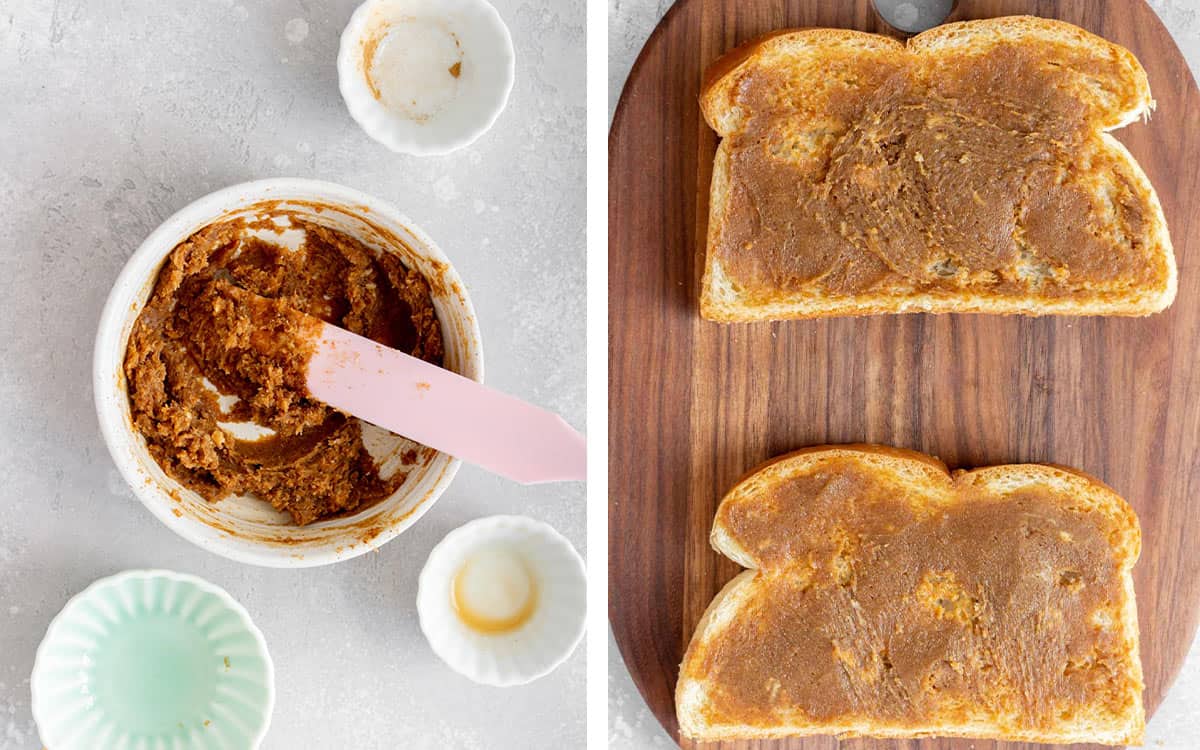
{"x":967,"y":171}
{"x":887,"y":597}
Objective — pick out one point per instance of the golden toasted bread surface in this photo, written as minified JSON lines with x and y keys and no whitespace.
{"x":890,"y":598}
{"x":967,"y":171}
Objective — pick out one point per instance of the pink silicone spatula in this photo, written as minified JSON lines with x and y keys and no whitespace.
{"x":443,"y":410}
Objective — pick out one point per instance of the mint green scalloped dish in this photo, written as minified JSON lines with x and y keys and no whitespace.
{"x":152,"y":660}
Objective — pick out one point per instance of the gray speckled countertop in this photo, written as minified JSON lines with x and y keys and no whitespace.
{"x":115,"y":113}
{"x":1176,"y":724}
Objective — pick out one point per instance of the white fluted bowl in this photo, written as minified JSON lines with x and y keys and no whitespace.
{"x":412,"y":103}
{"x":538,"y":646}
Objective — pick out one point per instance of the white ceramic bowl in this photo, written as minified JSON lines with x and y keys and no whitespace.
{"x":539,"y":645}
{"x":152,"y":660}
{"x":245,"y":528}
{"x":441,"y":83}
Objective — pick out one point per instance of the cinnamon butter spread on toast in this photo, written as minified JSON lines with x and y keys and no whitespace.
{"x":888,"y":597}
{"x":967,"y":171}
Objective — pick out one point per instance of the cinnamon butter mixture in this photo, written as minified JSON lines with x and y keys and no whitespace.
{"x":922,"y":173}
{"x":875,"y":605}
{"x":227,"y":309}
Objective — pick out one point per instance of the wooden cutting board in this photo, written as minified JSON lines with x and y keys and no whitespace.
{"x":694,"y":405}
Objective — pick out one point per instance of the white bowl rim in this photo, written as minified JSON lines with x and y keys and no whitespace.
{"x":451,"y":541}
{"x":152,"y":573}
{"x":160,"y":242}
{"x":374,"y":118}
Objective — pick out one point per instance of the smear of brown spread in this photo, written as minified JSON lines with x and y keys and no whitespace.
{"x":876,"y":607}
{"x":370,"y":46}
{"x":225,"y":308}
{"x":932,"y":175}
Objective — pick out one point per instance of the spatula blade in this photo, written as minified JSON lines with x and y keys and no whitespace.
{"x":444,"y":410}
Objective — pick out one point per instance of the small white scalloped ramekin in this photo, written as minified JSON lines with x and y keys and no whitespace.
{"x":480,"y":90}
{"x":534,"y":649}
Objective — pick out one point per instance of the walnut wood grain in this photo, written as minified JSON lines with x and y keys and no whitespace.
{"x":694,"y":405}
